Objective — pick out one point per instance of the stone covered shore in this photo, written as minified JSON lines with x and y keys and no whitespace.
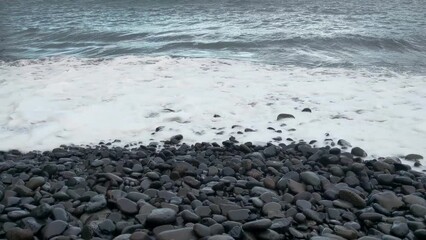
{"x":209,"y":191}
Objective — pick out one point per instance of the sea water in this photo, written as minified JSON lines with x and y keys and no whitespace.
{"x":82,"y":71}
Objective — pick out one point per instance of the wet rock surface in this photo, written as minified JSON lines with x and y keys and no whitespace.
{"x":209,"y":191}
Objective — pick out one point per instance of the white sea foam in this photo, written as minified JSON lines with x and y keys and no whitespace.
{"x":52,"y":102}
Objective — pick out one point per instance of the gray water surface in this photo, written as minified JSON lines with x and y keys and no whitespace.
{"x":328,"y":33}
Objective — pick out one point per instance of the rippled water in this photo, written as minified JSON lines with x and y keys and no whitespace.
{"x":327,"y":33}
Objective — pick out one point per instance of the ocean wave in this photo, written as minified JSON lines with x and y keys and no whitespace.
{"x":56,"y":101}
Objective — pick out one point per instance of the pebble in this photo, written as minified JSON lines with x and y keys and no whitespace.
{"x":284,"y":116}
{"x":399,"y":229}
{"x":54,"y":228}
{"x":413,"y":157}
{"x":203,"y":211}
{"x":418,"y":210}
{"x":310,"y":178}
{"x":201,"y":230}
{"x":17,"y":233}
{"x":257,"y":225}
{"x":161,"y":216}
{"x":189,"y":216}
{"x":352,"y":197}
{"x":35,"y":182}
{"x":178,"y":234}
{"x":238,"y":215}
{"x":96,"y":203}
{"x":127,"y":206}
{"x":359,"y":152}
{"x":388,"y":200}
{"x":209,"y":191}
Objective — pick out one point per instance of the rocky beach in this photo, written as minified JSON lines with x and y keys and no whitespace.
{"x":211,"y":191}
{"x":244,"y":120}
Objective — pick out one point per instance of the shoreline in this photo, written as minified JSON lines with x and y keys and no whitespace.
{"x":53,"y":102}
{"x":209,"y":191}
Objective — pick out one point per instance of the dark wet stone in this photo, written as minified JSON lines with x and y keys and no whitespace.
{"x":399,"y":229}
{"x":300,"y":217}
{"x":334,"y":213}
{"x":139,"y":236}
{"x":295,"y":187}
{"x":216,"y":229}
{"x":54,"y":228}
{"x":201,"y":230}
{"x":161,"y":216}
{"x":303,"y":204}
{"x":192,"y":182}
{"x":403,"y":180}
{"x":384,"y":227}
{"x":125,"y":236}
{"x":284,"y":116}
{"x":345,"y":232}
{"x":189,"y":216}
{"x":132,"y":228}
{"x":127,"y":206}
{"x":12,"y":201}
{"x":159,"y":229}
{"x":107,"y":226}
{"x":221,"y":237}
{"x":227,"y":171}
{"x":32,"y":224}
{"x":270,"y":151}
{"x":72,"y":231}
{"x":257,"y":225}
{"x":269,"y":235}
{"x":306,"y":110}
{"x":310,"y":178}
{"x":420,"y":233}
{"x":17,"y":214}
{"x":352,"y":197}
{"x":414,"y":199}
{"x":386,"y":179}
{"x":238,"y":215}
{"x":178,"y":234}
{"x":324,"y":238}
{"x":261,"y":190}
{"x":272,"y":209}
{"x":23,"y":191}
{"x":414,"y":225}
{"x":413,"y":157}
{"x":344,"y":143}
{"x":352,"y":181}
{"x":136,"y":196}
{"x":388,"y":200}
{"x":96,"y":203}
{"x":312,"y":215}
{"x":281,"y":225}
{"x":269,"y":183}
{"x":17,"y":233}
{"x":371,"y":216}
{"x":60,"y":214}
{"x":236,"y":232}
{"x":203,"y":211}
{"x":8,"y":225}
{"x":41,"y":211}
{"x":50,"y":169}
{"x":295,"y":233}
{"x":359,"y":152}
{"x":418,"y":210}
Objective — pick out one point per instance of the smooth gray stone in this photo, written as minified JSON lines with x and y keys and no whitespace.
{"x":178,"y":234}
{"x":310,"y":178}
{"x":161,"y":216}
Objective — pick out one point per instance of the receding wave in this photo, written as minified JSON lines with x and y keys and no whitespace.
{"x":389,"y":44}
{"x":119,"y":98}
